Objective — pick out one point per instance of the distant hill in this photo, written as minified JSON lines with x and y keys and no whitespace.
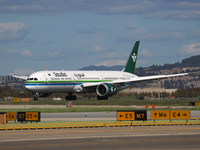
{"x":193,"y":61}
{"x":117,"y":67}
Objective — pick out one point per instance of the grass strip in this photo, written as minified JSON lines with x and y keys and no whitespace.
{"x":88,"y":109}
{"x":112,"y":101}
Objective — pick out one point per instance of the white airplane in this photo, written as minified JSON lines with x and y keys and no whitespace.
{"x":104,"y":83}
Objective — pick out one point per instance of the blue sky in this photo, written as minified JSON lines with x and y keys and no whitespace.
{"x":71,"y":34}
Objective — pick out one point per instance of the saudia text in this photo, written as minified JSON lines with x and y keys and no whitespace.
{"x":60,"y":74}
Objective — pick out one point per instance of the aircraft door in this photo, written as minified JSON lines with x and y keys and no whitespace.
{"x":45,"y":78}
{"x":102,"y":78}
{"x":74,"y":78}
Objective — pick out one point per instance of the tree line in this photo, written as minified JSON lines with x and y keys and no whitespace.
{"x":186,"y":93}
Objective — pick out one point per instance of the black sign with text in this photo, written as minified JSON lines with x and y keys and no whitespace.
{"x":28,"y":116}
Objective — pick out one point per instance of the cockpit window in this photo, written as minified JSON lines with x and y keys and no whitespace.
{"x":35,"y":79}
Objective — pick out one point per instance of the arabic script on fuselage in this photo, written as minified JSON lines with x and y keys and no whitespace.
{"x":60,"y":74}
{"x":79,"y":75}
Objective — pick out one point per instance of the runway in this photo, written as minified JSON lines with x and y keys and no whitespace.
{"x":79,"y":116}
{"x":148,"y":137}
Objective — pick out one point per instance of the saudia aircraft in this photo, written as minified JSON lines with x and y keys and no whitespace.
{"x":104,"y":83}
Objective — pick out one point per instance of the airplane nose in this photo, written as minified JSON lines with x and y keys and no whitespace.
{"x":27,"y":86}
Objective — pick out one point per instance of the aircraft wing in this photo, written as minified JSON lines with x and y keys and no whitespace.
{"x":20,"y":77}
{"x":136,"y":79}
{"x":148,"y":78}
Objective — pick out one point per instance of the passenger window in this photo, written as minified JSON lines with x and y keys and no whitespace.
{"x":35,"y":79}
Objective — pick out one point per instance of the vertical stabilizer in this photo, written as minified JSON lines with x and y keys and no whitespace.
{"x":130,"y":64}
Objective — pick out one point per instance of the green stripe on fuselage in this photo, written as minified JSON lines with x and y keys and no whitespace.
{"x":67,"y":81}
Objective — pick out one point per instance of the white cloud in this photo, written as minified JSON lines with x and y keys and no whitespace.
{"x":62,"y":54}
{"x":190,"y":49}
{"x":112,"y":55}
{"x":175,"y":14}
{"x":53,"y":54}
{"x":26,"y":53}
{"x":12,"y":31}
{"x":10,"y":52}
{"x":145,"y":53}
{"x":163,"y":36}
{"x":16,"y":53}
{"x":185,"y":9}
{"x":20,"y":71}
{"x":112,"y":62}
{"x":97,"y":49}
{"x":142,"y":62}
{"x":133,"y":7}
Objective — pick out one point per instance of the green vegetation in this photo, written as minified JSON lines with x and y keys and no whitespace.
{"x":119,"y":97}
{"x":193,"y":61}
{"x":72,"y":109}
{"x":107,"y":105}
{"x":8,"y":92}
{"x":111,"y":101}
{"x":88,"y":109}
{"x":192,"y":92}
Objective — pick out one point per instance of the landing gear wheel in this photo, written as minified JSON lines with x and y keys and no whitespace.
{"x":36,"y":96}
{"x":102,"y":97}
{"x":70,"y":97}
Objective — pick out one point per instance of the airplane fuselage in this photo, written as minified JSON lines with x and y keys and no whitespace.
{"x":72,"y":81}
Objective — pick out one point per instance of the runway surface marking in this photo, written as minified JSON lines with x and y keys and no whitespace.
{"x":120,"y":141}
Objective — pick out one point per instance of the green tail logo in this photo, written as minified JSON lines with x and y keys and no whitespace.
{"x":130,"y":64}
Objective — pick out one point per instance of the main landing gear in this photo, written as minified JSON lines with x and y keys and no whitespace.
{"x":102,"y":97}
{"x":36,"y":96}
{"x":70,"y":97}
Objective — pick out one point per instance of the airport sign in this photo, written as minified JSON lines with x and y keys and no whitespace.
{"x":10,"y":116}
{"x":157,"y":114}
{"x":197,"y":103}
{"x":131,"y":115}
{"x":125,"y":115}
{"x":28,"y":116}
{"x":170,"y":114}
{"x":32,"y":116}
{"x":141,"y":115}
{"x":16,"y":99}
{"x":179,"y":114}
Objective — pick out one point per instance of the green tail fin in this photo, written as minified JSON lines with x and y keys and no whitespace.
{"x":130,"y":64}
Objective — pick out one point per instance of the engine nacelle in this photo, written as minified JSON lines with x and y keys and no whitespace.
{"x":106,"y":89}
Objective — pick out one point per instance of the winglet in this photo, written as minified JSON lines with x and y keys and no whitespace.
{"x":130,"y":64}
{"x":19,"y":77}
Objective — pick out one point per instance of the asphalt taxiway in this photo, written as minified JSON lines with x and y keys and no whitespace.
{"x":148,"y":137}
{"x":93,"y":116}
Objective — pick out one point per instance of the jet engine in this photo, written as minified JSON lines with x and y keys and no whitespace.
{"x":106,"y":89}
